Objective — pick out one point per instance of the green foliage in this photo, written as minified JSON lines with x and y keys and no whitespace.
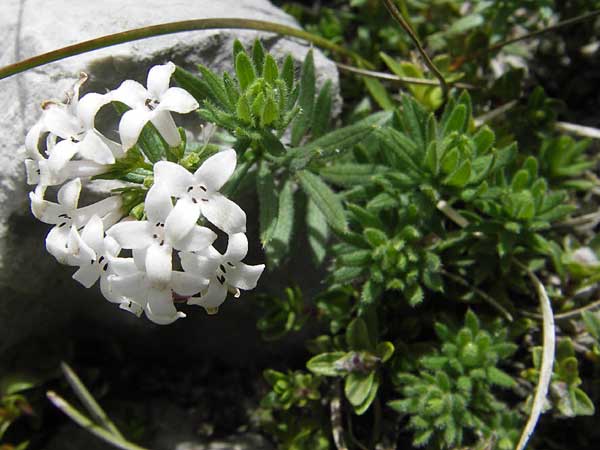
{"x":282,"y":315}
{"x":450,"y":397}
{"x":566,"y":397}
{"x":358,"y":366}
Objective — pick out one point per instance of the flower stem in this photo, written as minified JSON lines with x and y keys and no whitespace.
{"x":80,"y":419}
{"x":170,"y":28}
{"x":397,"y":15}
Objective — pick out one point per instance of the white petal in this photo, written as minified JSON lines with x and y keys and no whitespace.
{"x":61,"y":153}
{"x":57,"y":243}
{"x":216,"y":170}
{"x":224,"y":214}
{"x":158,"y":79}
{"x":198,"y":265}
{"x":130,"y":286}
{"x":111,"y":296}
{"x":164,"y":123}
{"x":47,"y":212}
{"x":130,"y":92}
{"x":32,"y":168}
{"x":158,"y":204}
{"x":160,"y":308}
{"x":93,"y":234}
{"x":123,"y":266}
{"x":92,"y":147}
{"x":197,"y":239}
{"x":110,"y":206}
{"x":173,"y":177}
{"x":132,"y":307}
{"x":68,"y":195}
{"x":244,"y":276}
{"x":181,"y":220}
{"x":80,"y":253}
{"x":177,"y":100}
{"x":237,"y":248}
{"x":213,"y":298}
{"x":88,"y":107}
{"x":87,"y":275}
{"x":187,"y":284}
{"x":111,"y":247}
{"x":59,"y":120}
{"x":132,"y":234}
{"x":131,"y":125}
{"x":158,"y":264}
{"x":32,"y":140}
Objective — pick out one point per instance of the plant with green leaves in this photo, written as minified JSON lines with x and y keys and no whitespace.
{"x":449,"y":399}
{"x":359,"y":365}
{"x":566,"y":397}
{"x":282,"y":315}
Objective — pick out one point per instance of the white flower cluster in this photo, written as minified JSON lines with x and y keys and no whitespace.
{"x":64,"y":147}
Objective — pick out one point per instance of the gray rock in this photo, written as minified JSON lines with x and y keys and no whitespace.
{"x":37,"y":296}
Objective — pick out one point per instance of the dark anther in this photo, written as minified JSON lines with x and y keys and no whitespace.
{"x":229,"y":264}
{"x":105,"y":268}
{"x":155,"y":236}
{"x":221,"y":279}
{"x":222,"y":268}
{"x":38,"y":171}
{"x":62,"y":224}
{"x":190,"y":188}
{"x":149,"y":104}
{"x":204,"y":199}
{"x":162,"y":225}
{"x":194,"y":201}
{"x":64,"y":216}
{"x":101,"y":259}
{"x":162,"y":242}
{"x":91,"y":261}
{"x":203,"y":188}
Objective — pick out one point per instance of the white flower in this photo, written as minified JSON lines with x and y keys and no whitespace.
{"x":226,"y":272}
{"x":198,"y":194}
{"x":73,"y":123}
{"x":94,"y":253}
{"x":152,"y":105}
{"x":65,"y":214}
{"x":137,"y":291}
{"x":152,"y":237}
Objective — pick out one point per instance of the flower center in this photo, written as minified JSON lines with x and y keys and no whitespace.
{"x":151,"y":103}
{"x":197,"y":192}
{"x":66,"y":220}
{"x":158,"y":232}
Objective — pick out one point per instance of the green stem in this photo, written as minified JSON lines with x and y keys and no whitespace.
{"x":407,"y":80}
{"x":397,"y":15}
{"x":564,"y":23}
{"x":238,"y":177}
{"x":170,"y":28}
{"x":88,"y":400}
{"x":84,"y":422}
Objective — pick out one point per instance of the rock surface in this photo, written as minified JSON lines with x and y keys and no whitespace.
{"x":37,"y":296}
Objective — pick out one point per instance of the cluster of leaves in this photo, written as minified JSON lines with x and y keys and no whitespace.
{"x":451,"y":394}
{"x":13,"y":406}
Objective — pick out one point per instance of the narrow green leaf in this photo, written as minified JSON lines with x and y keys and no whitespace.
{"x":268,"y":203}
{"x":244,"y":71}
{"x":460,"y":177}
{"x":324,"y":198}
{"x":379,"y":93}
{"x":337,"y":141}
{"x":270,"y":71}
{"x":287,"y":73}
{"x":351,"y":174}
{"x":215,"y":87}
{"x":385,"y":350}
{"x":364,"y":406}
{"x":322,"y":113}
{"x":457,"y":121}
{"x":318,"y":231}
{"x":306,"y":99}
{"x":197,"y":87}
{"x":258,"y":56}
{"x":282,"y":234}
